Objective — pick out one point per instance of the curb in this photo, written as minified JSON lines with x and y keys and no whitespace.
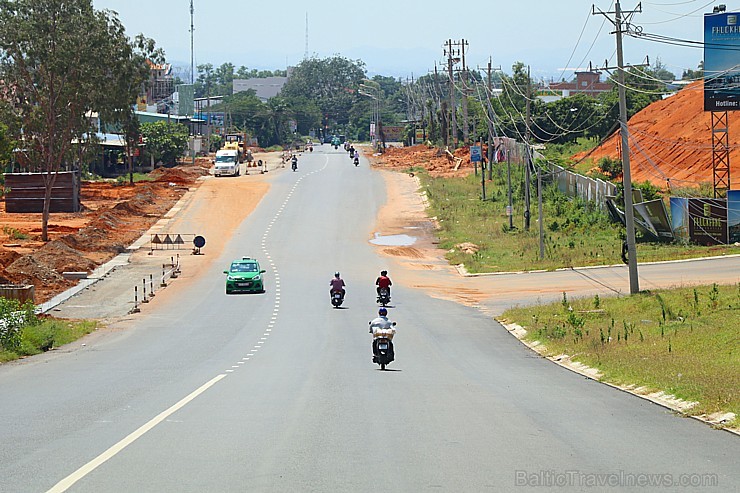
{"x":518,"y":332}
{"x":119,"y":260}
{"x":464,"y":273}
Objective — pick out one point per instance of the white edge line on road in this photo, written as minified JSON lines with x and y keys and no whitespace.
{"x":80,"y":473}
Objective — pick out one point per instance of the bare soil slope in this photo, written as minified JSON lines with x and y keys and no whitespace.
{"x":672,"y":140}
{"x":113,"y":217}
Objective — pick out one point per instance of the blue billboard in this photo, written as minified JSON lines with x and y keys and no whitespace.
{"x":721,"y":67}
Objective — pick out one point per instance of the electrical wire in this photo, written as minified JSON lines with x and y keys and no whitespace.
{"x":678,"y":16}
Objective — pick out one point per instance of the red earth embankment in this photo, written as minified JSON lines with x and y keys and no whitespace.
{"x":672,"y":140}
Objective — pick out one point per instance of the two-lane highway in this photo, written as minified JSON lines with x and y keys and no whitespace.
{"x":277,"y":392}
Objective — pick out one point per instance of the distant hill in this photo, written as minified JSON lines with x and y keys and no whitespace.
{"x":672,"y":138}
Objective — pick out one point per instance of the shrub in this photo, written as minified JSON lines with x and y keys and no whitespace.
{"x":13,"y":317}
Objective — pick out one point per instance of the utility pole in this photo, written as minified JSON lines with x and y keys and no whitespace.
{"x":442,"y":111}
{"x":621,"y":24}
{"x":541,"y":221}
{"x":511,"y":200}
{"x":528,"y":160}
{"x":464,"y":74}
{"x":452,"y":51}
{"x":491,"y":127}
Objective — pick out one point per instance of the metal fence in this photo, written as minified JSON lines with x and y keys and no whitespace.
{"x":589,"y":189}
{"x":569,"y":183}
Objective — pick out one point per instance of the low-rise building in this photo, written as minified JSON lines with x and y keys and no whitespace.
{"x":588,"y":83}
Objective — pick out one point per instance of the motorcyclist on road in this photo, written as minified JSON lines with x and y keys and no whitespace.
{"x":351,"y":151}
{"x":380,"y":323}
{"x":383,"y":282}
{"x":294,"y":162}
{"x":337,"y":284}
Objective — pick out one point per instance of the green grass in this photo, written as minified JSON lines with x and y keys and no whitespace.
{"x":28,"y":335}
{"x":125,"y":179}
{"x":683,"y":341}
{"x":15,"y":234}
{"x":576,"y":233}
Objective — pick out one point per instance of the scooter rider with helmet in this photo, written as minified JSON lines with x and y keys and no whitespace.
{"x":337,"y":284}
{"x":383,"y":281}
{"x":381,"y":322}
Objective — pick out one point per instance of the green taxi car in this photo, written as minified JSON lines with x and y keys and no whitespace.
{"x":244,"y":276}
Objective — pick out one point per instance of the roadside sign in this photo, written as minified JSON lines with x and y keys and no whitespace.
{"x":476,"y":154}
{"x":508,"y":211}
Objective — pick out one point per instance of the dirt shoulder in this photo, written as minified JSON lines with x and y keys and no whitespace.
{"x":114,"y":216}
{"x":422,"y":265}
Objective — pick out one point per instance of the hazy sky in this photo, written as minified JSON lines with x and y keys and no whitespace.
{"x":405,"y":37}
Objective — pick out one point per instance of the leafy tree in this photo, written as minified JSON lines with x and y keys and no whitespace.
{"x":331,"y":83}
{"x":165,"y":141}
{"x":245,"y":73}
{"x":205,"y":82}
{"x":224,"y":76}
{"x":661,"y":72}
{"x":126,"y":80}
{"x":510,"y":107}
{"x":697,"y":74}
{"x":56,"y":58}
{"x":245,"y":109}
{"x":567,"y":119}
{"x":7,"y":144}
{"x":306,"y":113}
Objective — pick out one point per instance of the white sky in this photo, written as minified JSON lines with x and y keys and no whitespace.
{"x":402,"y":38}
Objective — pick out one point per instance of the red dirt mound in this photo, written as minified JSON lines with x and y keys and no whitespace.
{"x":432,"y":159}
{"x":671,"y":140}
{"x":114,"y":216}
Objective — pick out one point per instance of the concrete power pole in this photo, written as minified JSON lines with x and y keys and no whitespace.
{"x":451,"y":51}
{"x":621,"y":25}
{"x":464,"y":73}
{"x":528,"y":160}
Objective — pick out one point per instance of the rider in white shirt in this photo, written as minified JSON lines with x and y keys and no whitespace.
{"x":381,"y":327}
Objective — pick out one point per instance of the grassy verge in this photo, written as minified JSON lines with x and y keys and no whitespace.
{"x":576,"y":233}
{"x":138,"y":177}
{"x":24,"y":334}
{"x":683,"y":341}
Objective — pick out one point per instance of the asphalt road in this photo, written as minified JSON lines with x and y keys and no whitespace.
{"x":276,"y":392}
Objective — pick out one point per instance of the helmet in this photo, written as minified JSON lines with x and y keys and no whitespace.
{"x":382,"y":312}
{"x":336,"y":274}
{"x":383,"y":272}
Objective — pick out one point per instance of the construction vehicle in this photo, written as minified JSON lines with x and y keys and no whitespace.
{"x":235,"y":142}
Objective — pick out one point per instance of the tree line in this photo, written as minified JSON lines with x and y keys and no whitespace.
{"x":62,"y":60}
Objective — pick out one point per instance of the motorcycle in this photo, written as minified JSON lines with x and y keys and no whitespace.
{"x":336,"y":146}
{"x":384,"y":296}
{"x":337,"y":298}
{"x":294,"y":164}
{"x":357,"y":161}
{"x":383,"y":352}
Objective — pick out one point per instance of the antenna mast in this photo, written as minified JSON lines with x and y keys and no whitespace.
{"x":192,"y":51}
{"x":305,"y":54}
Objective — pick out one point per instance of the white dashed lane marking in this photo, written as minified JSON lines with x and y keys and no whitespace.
{"x":83,"y":471}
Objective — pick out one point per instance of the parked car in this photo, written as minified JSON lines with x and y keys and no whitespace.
{"x":245,"y":276}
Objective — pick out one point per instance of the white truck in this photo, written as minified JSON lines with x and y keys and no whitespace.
{"x":227,"y":163}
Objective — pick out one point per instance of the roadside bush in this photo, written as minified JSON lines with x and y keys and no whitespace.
{"x":13,"y":317}
{"x":612,"y":168}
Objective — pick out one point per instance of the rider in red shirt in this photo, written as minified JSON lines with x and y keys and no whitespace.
{"x":383,"y":282}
